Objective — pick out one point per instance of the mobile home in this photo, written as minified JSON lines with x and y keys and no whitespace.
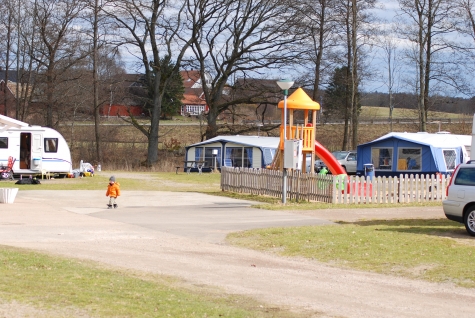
{"x":35,"y":148}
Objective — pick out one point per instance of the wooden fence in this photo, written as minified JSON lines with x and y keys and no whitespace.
{"x":335,"y":189}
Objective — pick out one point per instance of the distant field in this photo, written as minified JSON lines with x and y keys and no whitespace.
{"x":383,"y":113}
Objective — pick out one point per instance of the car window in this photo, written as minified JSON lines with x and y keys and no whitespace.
{"x":351,"y":157}
{"x":465,"y":176}
{"x":340,"y":155}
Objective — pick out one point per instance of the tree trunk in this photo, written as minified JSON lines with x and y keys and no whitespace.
{"x":425,"y":95}
{"x":7,"y":65}
{"x":318,"y":61}
{"x":348,"y":104}
{"x":49,"y":94}
{"x":354,"y":77}
{"x":212,"y":129}
{"x":97,"y":121}
{"x":152,"y":153}
{"x":422,"y":124}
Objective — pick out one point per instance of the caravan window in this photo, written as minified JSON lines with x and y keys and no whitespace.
{"x":209,"y":158}
{"x":239,"y":156}
{"x":3,"y":142}
{"x":382,"y":158}
{"x":409,"y":159}
{"x":51,"y":144}
{"x":269,"y":154}
{"x":449,"y":157}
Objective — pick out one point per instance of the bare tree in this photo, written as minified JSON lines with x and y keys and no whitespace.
{"x":318,"y":20}
{"x":154,"y":32}
{"x":466,"y":12}
{"x":59,"y":46}
{"x":97,"y":34}
{"x":7,"y":22}
{"x":389,"y":46}
{"x":431,"y":26}
{"x":238,"y":39}
{"x":20,"y":34}
{"x":356,"y":30}
{"x":96,"y":9}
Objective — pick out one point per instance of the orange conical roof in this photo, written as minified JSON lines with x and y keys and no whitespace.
{"x":300,"y":100}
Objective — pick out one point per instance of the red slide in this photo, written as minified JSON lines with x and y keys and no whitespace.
{"x":328,"y":159}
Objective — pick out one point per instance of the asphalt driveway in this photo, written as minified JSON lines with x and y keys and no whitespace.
{"x":193,"y":215}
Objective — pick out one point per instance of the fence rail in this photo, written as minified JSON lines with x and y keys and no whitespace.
{"x":339,"y":189}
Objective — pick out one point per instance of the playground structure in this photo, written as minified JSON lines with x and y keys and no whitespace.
{"x":300,"y":101}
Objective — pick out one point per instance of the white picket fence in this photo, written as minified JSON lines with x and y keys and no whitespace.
{"x":335,"y":189}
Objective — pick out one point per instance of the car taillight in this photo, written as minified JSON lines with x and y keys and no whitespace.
{"x":450,"y":181}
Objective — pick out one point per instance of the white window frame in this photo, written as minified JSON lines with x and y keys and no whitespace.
{"x":445,"y":162}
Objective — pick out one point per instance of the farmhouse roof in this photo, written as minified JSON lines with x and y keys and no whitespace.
{"x":191,"y":78}
{"x":12,"y":75}
{"x":12,"y":87}
{"x":193,"y":96}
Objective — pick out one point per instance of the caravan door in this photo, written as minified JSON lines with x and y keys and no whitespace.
{"x":36,"y":151}
{"x":25,"y":150}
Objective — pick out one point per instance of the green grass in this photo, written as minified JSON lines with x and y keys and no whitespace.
{"x":420,"y":249}
{"x":72,"y":287}
{"x":272,"y":203}
{"x":143,"y":181}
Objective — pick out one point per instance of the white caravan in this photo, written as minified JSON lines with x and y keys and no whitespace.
{"x":36,"y":149}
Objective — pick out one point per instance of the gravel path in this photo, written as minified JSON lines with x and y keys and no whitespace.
{"x":75,"y":224}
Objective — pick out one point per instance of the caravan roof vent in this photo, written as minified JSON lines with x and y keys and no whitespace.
{"x":443,"y":133}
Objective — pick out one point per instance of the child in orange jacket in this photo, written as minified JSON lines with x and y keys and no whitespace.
{"x":113,"y":191}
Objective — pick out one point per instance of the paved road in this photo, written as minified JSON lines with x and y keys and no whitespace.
{"x":198,"y":216}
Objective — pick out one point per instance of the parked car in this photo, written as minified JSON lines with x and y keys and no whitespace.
{"x":460,"y":203}
{"x":346,"y":158}
{"x":307,"y":163}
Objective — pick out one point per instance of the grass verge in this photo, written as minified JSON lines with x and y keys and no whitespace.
{"x":436,"y":250}
{"x":271,"y":203}
{"x":133,"y":181}
{"x":74,"y":288}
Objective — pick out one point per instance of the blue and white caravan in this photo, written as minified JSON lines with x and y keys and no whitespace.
{"x":35,"y":148}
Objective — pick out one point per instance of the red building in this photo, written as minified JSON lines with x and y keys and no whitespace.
{"x":193,"y":102}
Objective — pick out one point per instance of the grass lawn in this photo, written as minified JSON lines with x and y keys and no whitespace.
{"x":436,"y":250}
{"x":133,"y":181}
{"x":72,"y":288}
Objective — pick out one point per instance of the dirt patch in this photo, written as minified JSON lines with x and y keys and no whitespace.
{"x":15,"y":309}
